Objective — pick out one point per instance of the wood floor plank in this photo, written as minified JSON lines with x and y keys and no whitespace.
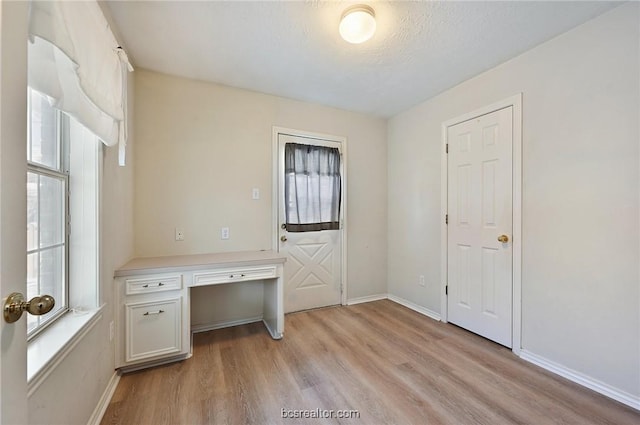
{"x":388,"y":363}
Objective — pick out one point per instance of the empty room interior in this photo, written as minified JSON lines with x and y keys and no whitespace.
{"x":374,"y":212}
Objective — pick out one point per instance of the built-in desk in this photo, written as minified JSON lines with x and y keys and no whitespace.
{"x":153,"y":295}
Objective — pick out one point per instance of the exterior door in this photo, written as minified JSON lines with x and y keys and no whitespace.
{"x":13,"y":204}
{"x":313,"y":270}
{"x":480,"y":282}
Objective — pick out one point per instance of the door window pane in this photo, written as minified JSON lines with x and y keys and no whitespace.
{"x":312,"y":188}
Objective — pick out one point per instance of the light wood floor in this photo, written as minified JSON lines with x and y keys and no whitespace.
{"x":392,"y":365}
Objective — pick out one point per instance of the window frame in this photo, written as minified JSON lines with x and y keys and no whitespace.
{"x":55,"y":339}
{"x":62,"y":174}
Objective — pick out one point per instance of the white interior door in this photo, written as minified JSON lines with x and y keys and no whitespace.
{"x":13,"y":205}
{"x":480,"y":282}
{"x":313,"y":270}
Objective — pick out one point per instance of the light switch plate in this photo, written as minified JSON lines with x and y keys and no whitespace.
{"x":255,"y":194}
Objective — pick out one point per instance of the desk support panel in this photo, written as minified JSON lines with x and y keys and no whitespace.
{"x":273,"y":309}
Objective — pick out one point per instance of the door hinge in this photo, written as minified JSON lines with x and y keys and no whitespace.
{"x":446,"y":219}
{"x":446,"y":290}
{"x":446,"y":149}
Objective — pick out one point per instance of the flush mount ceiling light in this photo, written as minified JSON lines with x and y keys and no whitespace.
{"x":358,"y":24}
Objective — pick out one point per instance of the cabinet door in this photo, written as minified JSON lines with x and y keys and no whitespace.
{"x":153,"y":329}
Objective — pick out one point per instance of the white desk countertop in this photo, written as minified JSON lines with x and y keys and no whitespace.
{"x":177,"y":263}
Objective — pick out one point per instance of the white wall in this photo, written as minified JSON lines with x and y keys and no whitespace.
{"x":580,"y":277}
{"x":201,"y":148}
{"x":70,"y":394}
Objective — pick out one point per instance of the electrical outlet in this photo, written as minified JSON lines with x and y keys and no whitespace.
{"x":224,"y":233}
{"x":179,"y":234}
{"x":421,"y":280}
{"x":255,"y":194}
{"x":112,"y":329}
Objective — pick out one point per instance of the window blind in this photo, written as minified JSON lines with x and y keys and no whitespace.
{"x":75,"y":60}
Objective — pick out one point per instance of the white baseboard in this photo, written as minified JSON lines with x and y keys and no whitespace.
{"x":226,"y":324}
{"x":398,"y":300}
{"x":367,"y":299}
{"x":415,"y":307}
{"x":103,"y":403}
{"x":154,"y":363}
{"x":582,"y":379}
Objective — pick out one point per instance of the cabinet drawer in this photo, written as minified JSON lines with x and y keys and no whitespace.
{"x":234,"y":275}
{"x":153,"y":329}
{"x":152,"y":284}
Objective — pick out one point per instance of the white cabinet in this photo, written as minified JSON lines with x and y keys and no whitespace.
{"x":153,"y":300}
{"x":152,"y":311}
{"x":152,"y":329}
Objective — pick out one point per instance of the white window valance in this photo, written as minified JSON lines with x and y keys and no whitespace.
{"x":75,"y":59}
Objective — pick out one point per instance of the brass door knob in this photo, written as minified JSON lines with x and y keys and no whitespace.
{"x":283,"y":238}
{"x":15,"y":304}
{"x":503,"y":238}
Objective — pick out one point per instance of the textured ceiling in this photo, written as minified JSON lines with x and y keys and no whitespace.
{"x":293,"y":49}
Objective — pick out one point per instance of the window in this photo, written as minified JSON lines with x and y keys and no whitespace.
{"x":312,"y":187}
{"x":47,"y":182}
{"x":62,"y":211}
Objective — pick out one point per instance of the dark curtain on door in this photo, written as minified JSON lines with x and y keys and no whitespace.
{"x":312,"y":187}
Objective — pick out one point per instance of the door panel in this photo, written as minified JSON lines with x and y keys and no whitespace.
{"x":480,"y":210}
{"x":13,"y":206}
{"x":313,"y":271}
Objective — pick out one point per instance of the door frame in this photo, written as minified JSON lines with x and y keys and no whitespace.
{"x":275,"y":228}
{"x":516,"y":103}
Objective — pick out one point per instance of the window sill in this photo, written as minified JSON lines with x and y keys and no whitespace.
{"x":48,"y":349}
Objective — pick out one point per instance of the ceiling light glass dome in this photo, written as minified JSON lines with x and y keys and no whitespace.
{"x":358,"y":24}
